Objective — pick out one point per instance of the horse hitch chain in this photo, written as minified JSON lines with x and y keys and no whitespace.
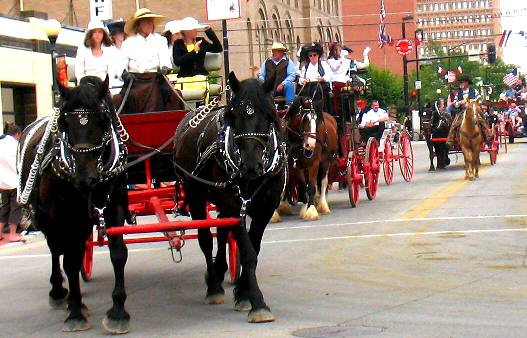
{"x":176,"y":241}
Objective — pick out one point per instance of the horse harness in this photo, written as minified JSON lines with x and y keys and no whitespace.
{"x":224,"y":150}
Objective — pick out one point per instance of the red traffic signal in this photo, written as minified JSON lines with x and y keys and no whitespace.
{"x":414,"y":93}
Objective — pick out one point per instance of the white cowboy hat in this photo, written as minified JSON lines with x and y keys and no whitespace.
{"x":278,"y":46}
{"x":96,"y":24}
{"x":173,"y":26}
{"x":189,"y":24}
{"x":142,"y":13}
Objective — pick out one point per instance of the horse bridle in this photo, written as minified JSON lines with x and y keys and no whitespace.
{"x":64,"y":164}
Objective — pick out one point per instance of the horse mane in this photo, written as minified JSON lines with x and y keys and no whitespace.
{"x":252,"y":90}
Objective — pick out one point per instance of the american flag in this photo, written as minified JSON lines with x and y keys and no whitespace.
{"x":383,"y":37}
{"x":511,"y":78}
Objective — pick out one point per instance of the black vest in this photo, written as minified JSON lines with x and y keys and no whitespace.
{"x":471,"y":94}
{"x":279,"y":69}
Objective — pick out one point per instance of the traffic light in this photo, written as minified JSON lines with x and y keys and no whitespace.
{"x":491,"y":53}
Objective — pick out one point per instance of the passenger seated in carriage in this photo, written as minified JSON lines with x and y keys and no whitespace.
{"x":341,"y":62}
{"x":146,"y":62}
{"x":315,"y":77}
{"x":283,"y":69}
{"x":467,"y":92}
{"x":116,"y":29}
{"x":372,"y":122}
{"x":513,"y":113}
{"x":95,"y":56}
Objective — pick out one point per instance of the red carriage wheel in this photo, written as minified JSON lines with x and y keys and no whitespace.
{"x":372,"y":159}
{"x":406,"y":157}
{"x":496,"y":138}
{"x":234,"y":259}
{"x":87,"y":260}
{"x":353,"y":180}
{"x":493,"y":150}
{"x":387,"y":163}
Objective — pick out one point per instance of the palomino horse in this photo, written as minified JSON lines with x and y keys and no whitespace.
{"x":470,"y":139}
{"x":313,"y":145}
{"x":234,"y":157}
{"x":72,"y":178}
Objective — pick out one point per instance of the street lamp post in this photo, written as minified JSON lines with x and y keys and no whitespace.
{"x":405,"y":69}
{"x":420,"y":31}
{"x":52,"y":29}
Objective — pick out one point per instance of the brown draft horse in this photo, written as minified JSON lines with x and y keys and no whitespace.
{"x":312,"y":137}
{"x":470,"y":140}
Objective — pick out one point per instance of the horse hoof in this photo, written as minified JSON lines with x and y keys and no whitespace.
{"x":58,"y":304}
{"x":275,"y":218}
{"x":260,"y":316}
{"x":311,"y":214}
{"x":323,"y":208}
{"x":243,"y":306}
{"x":215,"y":299}
{"x":432,"y":169}
{"x":284,"y":208}
{"x":116,"y":326}
{"x":303,"y":210}
{"x":75,"y":325}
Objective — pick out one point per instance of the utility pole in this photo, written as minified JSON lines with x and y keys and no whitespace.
{"x":405,"y":70}
{"x":225,"y":53}
{"x":417,"y":70}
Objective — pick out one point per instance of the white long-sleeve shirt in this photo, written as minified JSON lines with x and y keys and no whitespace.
{"x":145,"y":55}
{"x":340,"y":68}
{"x":88,"y":64}
{"x":8,"y":174}
{"x":312,"y":72}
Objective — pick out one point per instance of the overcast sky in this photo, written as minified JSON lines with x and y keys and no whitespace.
{"x":516,"y":49}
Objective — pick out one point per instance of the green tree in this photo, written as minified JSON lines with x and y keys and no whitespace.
{"x":386,"y":87}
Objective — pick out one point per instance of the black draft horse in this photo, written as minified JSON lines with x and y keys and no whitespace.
{"x":435,"y":124}
{"x":79,"y":182}
{"x":239,"y":147}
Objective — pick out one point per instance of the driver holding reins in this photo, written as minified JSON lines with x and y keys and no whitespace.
{"x":467,"y":92}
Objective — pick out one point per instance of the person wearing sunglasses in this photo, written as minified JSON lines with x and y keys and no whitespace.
{"x":315,"y":77}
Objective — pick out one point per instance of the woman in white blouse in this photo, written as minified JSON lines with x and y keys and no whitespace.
{"x":315,"y":76}
{"x":95,"y":56}
{"x":341,"y":62}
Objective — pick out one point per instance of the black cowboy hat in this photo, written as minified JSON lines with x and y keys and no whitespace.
{"x":465,"y":78}
{"x":116,"y":27}
{"x":312,"y":47}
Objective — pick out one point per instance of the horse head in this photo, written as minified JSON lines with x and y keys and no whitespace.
{"x":471,"y":111}
{"x":302,"y":118}
{"x":87,"y":145}
{"x":252,"y":128}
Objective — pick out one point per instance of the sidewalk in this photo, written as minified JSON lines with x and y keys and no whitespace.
{"x":29,"y":238}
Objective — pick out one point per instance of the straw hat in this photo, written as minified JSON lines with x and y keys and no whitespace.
{"x":173,"y":27}
{"x":278,"y":46}
{"x":142,"y":13}
{"x":189,"y":24}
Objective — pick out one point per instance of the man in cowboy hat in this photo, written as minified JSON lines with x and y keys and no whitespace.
{"x":467,"y":92}
{"x":282,"y":69}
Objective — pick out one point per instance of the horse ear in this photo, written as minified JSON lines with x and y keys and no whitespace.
{"x":64,"y":91}
{"x":268,"y":84}
{"x":233,"y":82}
{"x":105,"y":87}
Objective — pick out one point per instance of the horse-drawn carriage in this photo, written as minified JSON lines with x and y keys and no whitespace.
{"x":227,"y":159}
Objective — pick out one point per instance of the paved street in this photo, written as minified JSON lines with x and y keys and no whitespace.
{"x":438,"y":257}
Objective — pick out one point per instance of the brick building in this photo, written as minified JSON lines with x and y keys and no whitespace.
{"x":293,"y":22}
{"x":361,"y":28}
{"x":466,"y":25}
